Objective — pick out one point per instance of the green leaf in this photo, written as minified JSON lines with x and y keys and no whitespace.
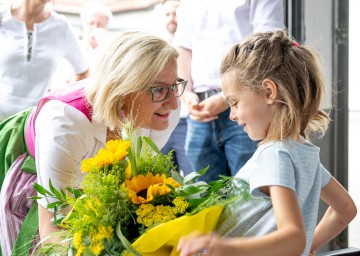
{"x":177,"y":177}
{"x":132,"y":160}
{"x":76,"y":192}
{"x":191,"y":189}
{"x":125,"y":242}
{"x":53,"y":205}
{"x":139,"y":146}
{"x":171,"y":187}
{"x":203,"y":171}
{"x":89,"y":252}
{"x":54,"y":190}
{"x":40,"y":189}
{"x":191,"y":177}
{"x":36,"y":197}
{"x":152,"y":144}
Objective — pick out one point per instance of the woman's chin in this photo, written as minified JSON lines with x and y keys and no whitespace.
{"x":160,"y":126}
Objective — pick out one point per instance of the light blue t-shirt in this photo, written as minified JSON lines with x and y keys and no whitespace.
{"x":289,"y":164}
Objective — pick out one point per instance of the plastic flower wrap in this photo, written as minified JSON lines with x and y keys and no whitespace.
{"x":132,"y":202}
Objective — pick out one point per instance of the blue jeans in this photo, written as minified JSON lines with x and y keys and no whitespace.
{"x":177,"y":142}
{"x":221,"y":144}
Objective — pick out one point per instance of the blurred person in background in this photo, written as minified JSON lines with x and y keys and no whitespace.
{"x":95,"y":19}
{"x":33,"y":39}
{"x":178,"y":137}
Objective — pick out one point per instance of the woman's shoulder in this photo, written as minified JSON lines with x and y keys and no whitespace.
{"x":57,"y":21}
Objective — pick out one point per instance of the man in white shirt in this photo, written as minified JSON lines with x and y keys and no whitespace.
{"x":206,"y":29}
{"x":178,"y":136}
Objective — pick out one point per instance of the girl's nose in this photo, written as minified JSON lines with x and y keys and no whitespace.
{"x":232,"y":115}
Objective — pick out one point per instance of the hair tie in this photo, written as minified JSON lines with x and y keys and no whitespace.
{"x":295,"y":44}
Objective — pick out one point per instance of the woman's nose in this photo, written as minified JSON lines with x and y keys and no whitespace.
{"x":172,"y":101}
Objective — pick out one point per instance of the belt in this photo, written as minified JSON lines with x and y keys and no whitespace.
{"x":204,"y":95}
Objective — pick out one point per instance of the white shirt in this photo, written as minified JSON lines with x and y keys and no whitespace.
{"x":209,"y":27}
{"x":24,"y":81}
{"x":65,"y":136}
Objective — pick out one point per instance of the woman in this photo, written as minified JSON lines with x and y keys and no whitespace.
{"x":33,"y":40}
{"x":135,"y":78}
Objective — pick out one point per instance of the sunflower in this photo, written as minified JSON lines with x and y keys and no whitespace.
{"x":142,"y":189}
{"x":116,"y":150}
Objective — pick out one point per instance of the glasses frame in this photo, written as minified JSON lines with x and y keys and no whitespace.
{"x":172,"y":88}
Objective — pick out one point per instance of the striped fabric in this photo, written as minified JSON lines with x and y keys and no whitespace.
{"x":15,"y":203}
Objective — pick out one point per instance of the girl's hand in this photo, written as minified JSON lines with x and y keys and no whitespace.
{"x":194,"y":244}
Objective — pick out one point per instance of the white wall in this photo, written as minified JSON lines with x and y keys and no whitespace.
{"x":318,"y":34}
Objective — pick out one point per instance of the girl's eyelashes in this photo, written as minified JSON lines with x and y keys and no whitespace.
{"x":230,"y":103}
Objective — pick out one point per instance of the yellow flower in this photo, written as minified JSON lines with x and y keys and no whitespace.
{"x":94,"y":205}
{"x":77,"y":239}
{"x":128,"y":173}
{"x":142,"y":189}
{"x":88,"y":164}
{"x":115,"y":150}
{"x":98,"y":235}
{"x":148,"y":215}
{"x":180,"y":205}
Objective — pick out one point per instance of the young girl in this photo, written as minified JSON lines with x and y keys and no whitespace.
{"x":274,"y":87}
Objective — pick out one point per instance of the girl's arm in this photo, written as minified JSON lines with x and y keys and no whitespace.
{"x":288,"y":239}
{"x":340,"y":212}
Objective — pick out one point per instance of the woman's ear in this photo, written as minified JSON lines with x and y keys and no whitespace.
{"x":270,"y":88}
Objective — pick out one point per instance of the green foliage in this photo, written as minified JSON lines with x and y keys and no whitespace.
{"x":150,"y":159}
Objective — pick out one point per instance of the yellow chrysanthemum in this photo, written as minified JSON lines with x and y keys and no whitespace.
{"x":149,"y":185}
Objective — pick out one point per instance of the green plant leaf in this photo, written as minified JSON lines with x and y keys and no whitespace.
{"x":151,"y":143}
{"x":139,"y":146}
{"x":54,"y":190}
{"x":40,"y":189}
{"x":177,"y":177}
{"x":191,"y":177}
{"x":125,"y":242}
{"x":89,"y":252}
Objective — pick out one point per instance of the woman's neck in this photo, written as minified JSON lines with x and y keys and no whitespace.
{"x":30,"y":13}
{"x":113,"y":134}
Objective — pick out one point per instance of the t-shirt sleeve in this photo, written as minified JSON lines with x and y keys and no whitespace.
{"x":74,"y":52}
{"x":275,"y":167}
{"x":325,"y":176}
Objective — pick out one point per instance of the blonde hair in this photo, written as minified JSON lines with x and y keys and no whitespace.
{"x":129,"y":66}
{"x":296,"y":70}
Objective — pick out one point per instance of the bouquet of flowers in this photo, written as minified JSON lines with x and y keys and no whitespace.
{"x":132,"y":202}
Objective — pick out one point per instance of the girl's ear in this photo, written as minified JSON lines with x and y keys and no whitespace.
{"x":270,"y":88}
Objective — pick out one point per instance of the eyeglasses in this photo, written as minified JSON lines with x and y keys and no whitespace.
{"x":161,"y":93}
